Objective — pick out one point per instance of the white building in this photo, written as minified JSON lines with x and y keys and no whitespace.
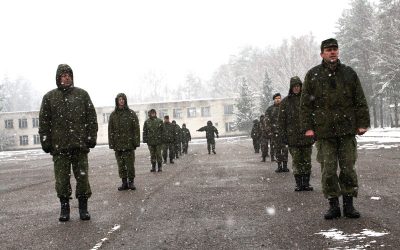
{"x":19,"y":130}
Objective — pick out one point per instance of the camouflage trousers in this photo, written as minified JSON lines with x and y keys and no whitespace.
{"x":256,"y":145}
{"x":210,"y":145}
{"x":62,"y":172}
{"x":155,"y":153}
{"x":168,"y":147}
{"x":301,"y":160}
{"x":279,"y":149}
{"x":264,"y":147}
{"x":126,"y":163}
{"x":340,"y":151}
{"x":178,"y":149}
{"x":185,"y":146}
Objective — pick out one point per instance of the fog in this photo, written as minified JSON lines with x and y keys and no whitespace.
{"x":123,"y":46}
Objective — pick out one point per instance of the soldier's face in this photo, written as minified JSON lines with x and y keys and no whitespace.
{"x":330,"y":54}
{"x":277,"y":100}
{"x":121,"y":102}
{"x":66,"y":80}
{"x":153,"y":114}
{"x":296,"y":89}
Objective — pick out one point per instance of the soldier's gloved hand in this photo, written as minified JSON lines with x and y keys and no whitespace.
{"x":47,"y":148}
{"x":91,"y":142}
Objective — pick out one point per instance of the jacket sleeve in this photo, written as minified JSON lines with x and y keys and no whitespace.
{"x":136,"y":128}
{"x":361,"y":106}
{"x":306,"y":105}
{"x":92,"y":126}
{"x":111,"y":131}
{"x":282,"y":121}
{"x":216,"y":131}
{"x":45,"y":124}
{"x":190,"y":137}
{"x":145,"y":132}
{"x":202,"y":129}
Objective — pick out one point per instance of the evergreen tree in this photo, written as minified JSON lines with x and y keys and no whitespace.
{"x":355,"y":37}
{"x":266,"y":93}
{"x":245,"y":108}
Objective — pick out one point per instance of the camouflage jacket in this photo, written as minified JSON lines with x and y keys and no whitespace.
{"x":271,"y":119}
{"x":210,"y":131}
{"x":169,"y":134}
{"x":333,"y":103}
{"x":123,"y":128}
{"x":67,"y":118}
{"x":186,"y":135}
{"x":153,"y":131}
{"x":289,"y":121}
{"x":255,"y":131}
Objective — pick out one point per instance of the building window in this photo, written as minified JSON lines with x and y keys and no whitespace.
{"x":177,"y":113}
{"x":163,"y":112}
{"x":36,"y":139}
{"x":228,"y":109}
{"x":106,"y":117}
{"x":23,"y":123}
{"x":23,"y":140}
{"x":9,"y":124}
{"x":229,"y":126}
{"x":191,"y":112}
{"x":35,"y":122}
{"x":205,"y":111}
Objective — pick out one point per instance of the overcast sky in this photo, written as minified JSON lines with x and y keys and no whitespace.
{"x":111,"y":45}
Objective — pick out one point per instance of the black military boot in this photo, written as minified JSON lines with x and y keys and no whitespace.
{"x":272,"y":158}
{"x":285,"y":168}
{"x":348,"y":209}
{"x":279,"y":169}
{"x":171,"y":161}
{"x":83,"y":211}
{"x":214,"y":151}
{"x":64,"y":214}
{"x":334,"y":209}
{"x":124,"y":185}
{"x":209,"y":152}
{"x":263,"y":159}
{"x":153,"y":167}
{"x":306,"y":183}
{"x":299,"y":183}
{"x":159,"y":167}
{"x":131,"y":184}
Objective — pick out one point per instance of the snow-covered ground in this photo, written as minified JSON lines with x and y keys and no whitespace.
{"x":373,"y":139}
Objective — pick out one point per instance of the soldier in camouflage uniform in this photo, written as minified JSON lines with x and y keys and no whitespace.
{"x":124,"y":138}
{"x":168,"y":139}
{"x":334,"y":109}
{"x":68,"y":129}
{"x":264,"y":138}
{"x":278,"y":148}
{"x":152,"y":135}
{"x":256,"y":136}
{"x":186,"y":138}
{"x":300,"y":146}
{"x":178,"y":140}
{"x":210,"y":131}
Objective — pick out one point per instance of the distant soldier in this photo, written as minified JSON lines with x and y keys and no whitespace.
{"x":124,"y":138}
{"x":210,"y":131}
{"x":68,"y":129}
{"x":152,"y":135}
{"x":168,"y":139}
{"x":334,"y":109}
{"x":264,"y":138}
{"x":178,"y":140}
{"x":186,"y":138}
{"x":278,"y":149}
{"x":256,"y":136}
{"x":300,"y":146}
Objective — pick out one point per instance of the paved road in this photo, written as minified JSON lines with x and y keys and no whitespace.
{"x":226,"y":201}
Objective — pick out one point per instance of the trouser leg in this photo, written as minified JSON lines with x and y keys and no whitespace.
{"x":80,"y":167}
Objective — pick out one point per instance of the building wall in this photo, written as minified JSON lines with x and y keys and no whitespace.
{"x":194,"y":114}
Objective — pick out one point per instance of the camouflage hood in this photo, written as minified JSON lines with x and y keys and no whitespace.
{"x":295,"y":80}
{"x":116,"y":101}
{"x":62,"y":69}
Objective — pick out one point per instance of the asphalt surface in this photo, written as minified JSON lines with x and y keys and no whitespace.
{"x":230,"y":200}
